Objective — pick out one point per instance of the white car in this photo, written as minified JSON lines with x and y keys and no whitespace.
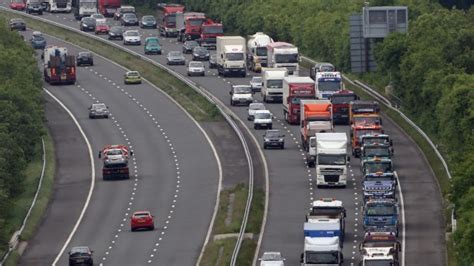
{"x":241,"y":94}
{"x":196,"y":69}
{"x":256,"y":84}
{"x":132,"y":37}
{"x":99,"y":18}
{"x":272,"y":258}
{"x":253,"y":107}
{"x":262,"y":119}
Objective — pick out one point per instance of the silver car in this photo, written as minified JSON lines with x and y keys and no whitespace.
{"x":175,"y":58}
{"x":256,"y":84}
{"x":98,"y":110}
{"x":196,"y":68}
{"x":132,"y":37}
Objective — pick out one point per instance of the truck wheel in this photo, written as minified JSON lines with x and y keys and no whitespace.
{"x":264,"y":99}
{"x":264,"y":146}
{"x":282,"y":146}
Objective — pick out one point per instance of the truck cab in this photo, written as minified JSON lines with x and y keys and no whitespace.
{"x":328,"y":83}
{"x":377,"y":165}
{"x":328,"y":208}
{"x":357,"y":132}
{"x":379,"y":186}
{"x":331,"y":159}
{"x":321,"y":251}
{"x":368,"y":151}
{"x":210,"y":30}
{"x":257,"y":51}
{"x":294,"y":90}
{"x":272,"y":84}
{"x":166,"y":17}
{"x":381,"y":215}
{"x":379,"y":248}
{"x":283,"y":55}
{"x":340,"y":101}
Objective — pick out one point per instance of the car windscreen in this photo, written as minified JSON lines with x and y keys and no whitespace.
{"x":273,"y":134}
{"x":148,"y":18}
{"x":117,"y":29}
{"x":192,"y":44}
{"x":242,"y":90}
{"x":257,"y":107}
{"x":132,"y":33}
{"x":375,"y":167}
{"x":175,"y":54}
{"x":256,"y":80}
{"x":263,"y":116}
{"x":234,"y":56}
{"x":89,"y":20}
{"x":99,"y":106}
{"x":195,"y":64}
{"x":129,"y":15}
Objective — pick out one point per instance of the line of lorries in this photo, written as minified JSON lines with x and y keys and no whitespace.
{"x":315,"y":103}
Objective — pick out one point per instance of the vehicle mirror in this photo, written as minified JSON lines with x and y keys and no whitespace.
{"x":260,"y":259}
{"x":360,"y":247}
{"x":131,"y":153}
{"x":348,"y":158}
{"x":69,"y":252}
{"x":302,"y":258}
{"x":230,"y":92}
{"x":100,"y":154}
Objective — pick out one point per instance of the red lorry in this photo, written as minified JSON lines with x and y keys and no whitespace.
{"x":115,"y":159}
{"x":108,"y":7}
{"x":296,"y":89}
{"x":210,"y":30}
{"x":340,"y":105}
{"x":59,"y":66}
{"x":189,"y":25}
{"x":166,"y":17}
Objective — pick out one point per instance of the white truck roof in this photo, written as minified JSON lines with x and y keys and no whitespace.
{"x":327,"y":203}
{"x":331,"y":142}
{"x":322,"y":224}
{"x":321,"y":243}
{"x":259,"y":39}
{"x":328,"y":75}
{"x":293,"y":79}
{"x":233,"y":48}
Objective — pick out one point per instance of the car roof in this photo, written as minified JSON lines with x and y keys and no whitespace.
{"x":152,"y":38}
{"x":80,"y":249}
{"x":262,"y":111}
{"x":195,"y":62}
{"x":141,"y":212}
{"x":85,"y":53}
{"x":133,"y":72}
{"x":16,"y":19}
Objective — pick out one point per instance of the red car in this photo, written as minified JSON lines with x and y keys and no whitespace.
{"x":102,"y":28}
{"x":142,"y":220}
{"x":17,"y":5}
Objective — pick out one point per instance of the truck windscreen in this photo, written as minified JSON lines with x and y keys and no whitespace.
{"x":374,"y":167}
{"x":261,"y":51}
{"x":333,"y":85}
{"x":376,"y":151}
{"x":274,"y":83}
{"x":88,"y":4}
{"x":339,"y":99}
{"x":234,"y":56}
{"x":378,"y":263}
{"x":286,"y":58}
{"x":331,"y":159}
{"x":381,"y":210}
{"x":195,"y":22}
{"x":322,"y":258}
{"x":212,"y":30}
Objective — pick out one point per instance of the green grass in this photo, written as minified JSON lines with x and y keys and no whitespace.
{"x":211,"y":254}
{"x":23,"y":201}
{"x":247,"y":250}
{"x":240,"y":200}
{"x":192,"y":101}
{"x":451,"y":251}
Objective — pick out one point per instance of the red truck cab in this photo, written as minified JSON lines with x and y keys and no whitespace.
{"x":108,"y":7}
{"x":210,"y":30}
{"x":340,"y":103}
{"x":166,"y":17}
{"x":296,"y":89}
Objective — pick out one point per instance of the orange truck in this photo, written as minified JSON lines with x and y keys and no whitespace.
{"x":312,"y":112}
{"x":365,"y":119}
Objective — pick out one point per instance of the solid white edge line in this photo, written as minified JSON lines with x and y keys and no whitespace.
{"x":402,"y":203}
{"x":211,"y":144}
{"x":91,"y":189}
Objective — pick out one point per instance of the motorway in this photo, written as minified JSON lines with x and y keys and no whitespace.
{"x":172,"y":160}
{"x":292,"y":185}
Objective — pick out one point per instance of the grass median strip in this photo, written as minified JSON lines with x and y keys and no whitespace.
{"x":192,"y":101}
{"x":23,"y":202}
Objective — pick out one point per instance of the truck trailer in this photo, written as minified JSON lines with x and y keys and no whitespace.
{"x":272,"y":84}
{"x":231,"y":56}
{"x":282,"y":54}
{"x":84,"y":8}
{"x":296,"y":89}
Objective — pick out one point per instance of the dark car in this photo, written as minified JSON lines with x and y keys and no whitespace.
{"x":98,"y":110}
{"x":175,"y":58}
{"x":116,"y":33}
{"x":80,"y":256}
{"x":129,"y":19}
{"x":188,"y":46}
{"x":200,"y":53}
{"x":37,"y":40}
{"x":34,"y":7}
{"x":85,"y":58}
{"x":17,"y":24}
{"x":273,"y":138}
{"x":213,"y":61}
{"x":87,"y":24}
{"x":148,"y":22}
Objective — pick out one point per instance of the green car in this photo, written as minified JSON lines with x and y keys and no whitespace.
{"x":152,"y":45}
{"x":132,"y":77}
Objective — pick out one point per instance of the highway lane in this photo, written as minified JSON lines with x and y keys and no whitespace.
{"x":284,"y":229}
{"x":173,"y":160}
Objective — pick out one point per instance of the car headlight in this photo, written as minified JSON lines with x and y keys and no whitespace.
{"x":195,"y":54}
{"x":280,"y":140}
{"x":266,"y":140}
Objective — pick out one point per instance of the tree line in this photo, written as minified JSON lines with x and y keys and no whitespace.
{"x":431,"y":69}
{"x":21,"y":120}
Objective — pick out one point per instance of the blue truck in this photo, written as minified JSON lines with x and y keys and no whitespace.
{"x":381,"y":215}
{"x":379,"y":186}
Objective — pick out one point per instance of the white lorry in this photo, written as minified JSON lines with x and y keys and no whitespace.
{"x":282,"y":54}
{"x":321,"y":251}
{"x":272,"y":84}
{"x":230,"y":52}
{"x":60,"y":6}
{"x":84,"y":8}
{"x":257,"y":51}
{"x":328,"y":83}
{"x":331,"y":159}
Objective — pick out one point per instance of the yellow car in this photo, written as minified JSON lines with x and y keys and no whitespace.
{"x":132,"y":77}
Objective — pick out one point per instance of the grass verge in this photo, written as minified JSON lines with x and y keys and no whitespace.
{"x":192,"y":101}
{"x":247,"y":250}
{"x":23,"y":202}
